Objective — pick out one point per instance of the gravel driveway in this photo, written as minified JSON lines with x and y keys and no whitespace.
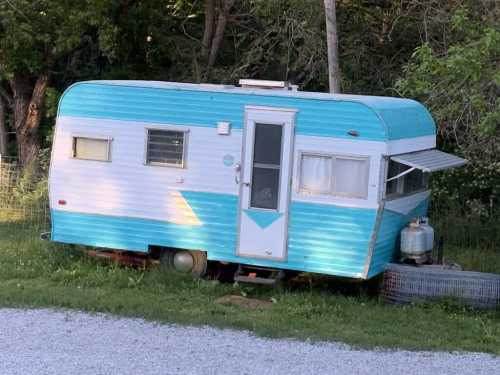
{"x":54,"y":342}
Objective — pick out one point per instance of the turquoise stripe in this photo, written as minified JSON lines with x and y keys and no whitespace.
{"x":322,"y":238}
{"x":262,"y":218}
{"x":327,"y":118}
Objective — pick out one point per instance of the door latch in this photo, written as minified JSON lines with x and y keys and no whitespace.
{"x":237,"y":170}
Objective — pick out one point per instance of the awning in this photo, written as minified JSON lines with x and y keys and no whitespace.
{"x":429,"y":160}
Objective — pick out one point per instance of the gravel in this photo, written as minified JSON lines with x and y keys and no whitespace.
{"x":63,"y":342}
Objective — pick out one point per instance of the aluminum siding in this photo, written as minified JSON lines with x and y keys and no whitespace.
{"x":327,"y":118}
{"x":322,"y":238}
{"x":387,"y":243}
{"x":403,"y":118}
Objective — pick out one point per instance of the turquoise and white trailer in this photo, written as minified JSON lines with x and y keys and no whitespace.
{"x":260,"y":175}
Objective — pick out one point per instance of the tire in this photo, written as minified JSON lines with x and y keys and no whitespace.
{"x":199,"y":262}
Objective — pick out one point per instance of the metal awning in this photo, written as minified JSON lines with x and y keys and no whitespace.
{"x":429,"y":160}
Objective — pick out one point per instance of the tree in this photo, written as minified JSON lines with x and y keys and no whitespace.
{"x":332,"y":46}
{"x":34,"y":38}
{"x":275,"y":39}
{"x":461,"y":87}
{"x":215,"y":21}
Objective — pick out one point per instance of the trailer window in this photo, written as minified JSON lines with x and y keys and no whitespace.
{"x":409,"y":183}
{"x":334,"y":174}
{"x":351,"y":177}
{"x":316,"y":174}
{"x":166,"y":147}
{"x":91,"y":148}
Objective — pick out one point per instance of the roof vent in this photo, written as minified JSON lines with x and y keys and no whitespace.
{"x":265,"y":84}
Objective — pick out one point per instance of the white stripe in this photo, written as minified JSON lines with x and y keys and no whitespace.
{"x":127,"y":187}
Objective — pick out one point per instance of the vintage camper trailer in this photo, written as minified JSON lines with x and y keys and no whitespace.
{"x":260,"y":174}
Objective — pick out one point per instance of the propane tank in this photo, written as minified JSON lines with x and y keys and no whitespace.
{"x":429,"y":231}
{"x":413,"y":240}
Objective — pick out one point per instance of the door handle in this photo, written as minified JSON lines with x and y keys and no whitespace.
{"x":237,"y":170}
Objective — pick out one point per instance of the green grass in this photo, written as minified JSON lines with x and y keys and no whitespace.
{"x":34,"y":273}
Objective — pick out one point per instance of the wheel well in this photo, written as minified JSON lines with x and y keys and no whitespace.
{"x":156,"y":251}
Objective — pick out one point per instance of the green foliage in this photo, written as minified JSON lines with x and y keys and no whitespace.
{"x":52,"y":97}
{"x":147,"y":42}
{"x":32,"y":34}
{"x":461,"y":89}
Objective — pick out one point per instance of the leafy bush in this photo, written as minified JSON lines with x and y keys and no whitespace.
{"x":461,"y":86}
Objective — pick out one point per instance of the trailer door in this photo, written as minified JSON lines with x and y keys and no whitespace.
{"x":265,"y":182}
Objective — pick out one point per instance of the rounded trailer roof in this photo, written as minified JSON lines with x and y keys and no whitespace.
{"x":373,"y":117}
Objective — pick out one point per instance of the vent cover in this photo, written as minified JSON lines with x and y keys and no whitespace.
{"x":265,"y":84}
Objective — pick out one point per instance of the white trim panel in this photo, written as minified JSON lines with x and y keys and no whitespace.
{"x":402,"y":146}
{"x":404,"y":205}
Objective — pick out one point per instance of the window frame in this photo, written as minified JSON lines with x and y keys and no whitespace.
{"x":331,"y":191}
{"x":254,"y":165}
{"x":303,"y":190}
{"x":107,"y":139}
{"x":401,"y":183}
{"x":184,"y":131}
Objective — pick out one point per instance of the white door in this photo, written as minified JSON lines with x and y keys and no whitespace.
{"x":265,"y":182}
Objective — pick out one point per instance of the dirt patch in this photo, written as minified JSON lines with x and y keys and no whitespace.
{"x":248,"y":303}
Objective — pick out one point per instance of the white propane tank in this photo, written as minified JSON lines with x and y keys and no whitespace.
{"x":424,"y":224}
{"x":413,"y":240}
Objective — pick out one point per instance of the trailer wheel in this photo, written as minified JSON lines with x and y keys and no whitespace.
{"x":185,"y":261}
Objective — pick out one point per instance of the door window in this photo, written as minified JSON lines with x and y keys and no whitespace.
{"x":266,"y":166}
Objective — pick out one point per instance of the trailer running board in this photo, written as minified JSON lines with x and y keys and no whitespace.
{"x":258,"y":275}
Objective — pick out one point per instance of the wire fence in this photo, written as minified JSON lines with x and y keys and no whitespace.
{"x":23,"y":196}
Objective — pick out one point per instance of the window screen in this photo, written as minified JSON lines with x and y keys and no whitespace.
{"x":394,"y":170}
{"x":409,"y":183}
{"x":266,"y":166}
{"x":91,"y":148}
{"x":332,"y":174}
{"x":165,"y":147}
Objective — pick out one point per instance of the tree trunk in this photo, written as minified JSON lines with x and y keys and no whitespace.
{"x":28,"y":103}
{"x":208,"y":31}
{"x":3,"y":129}
{"x":332,"y":45}
{"x":213,"y":33}
{"x":219,"y":31}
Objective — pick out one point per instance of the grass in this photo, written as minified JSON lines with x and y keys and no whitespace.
{"x":34,"y":274}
